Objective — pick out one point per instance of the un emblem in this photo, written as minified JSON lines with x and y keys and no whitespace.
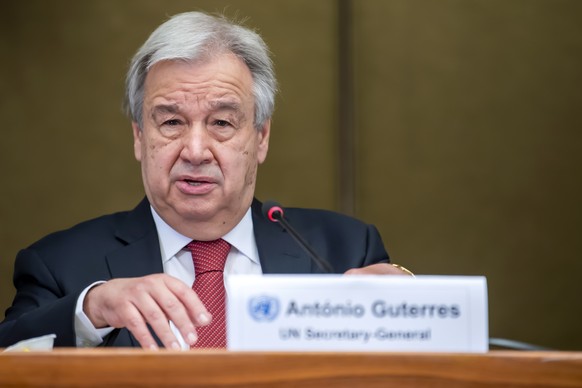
{"x":264,"y":308}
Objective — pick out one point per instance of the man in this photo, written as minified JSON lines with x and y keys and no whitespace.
{"x":200,"y":94}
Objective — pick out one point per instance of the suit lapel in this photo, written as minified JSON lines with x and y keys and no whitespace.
{"x":278,"y":252}
{"x":141,"y":255}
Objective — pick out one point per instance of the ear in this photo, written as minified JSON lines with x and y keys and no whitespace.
{"x":137,"y":135}
{"x":263,"y":146}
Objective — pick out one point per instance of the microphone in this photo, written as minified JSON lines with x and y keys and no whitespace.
{"x":274,"y":213}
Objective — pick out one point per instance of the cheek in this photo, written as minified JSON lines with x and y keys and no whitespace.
{"x":238,"y":165}
{"x":159,"y":157}
{"x":251,"y":174}
{"x":250,"y":162}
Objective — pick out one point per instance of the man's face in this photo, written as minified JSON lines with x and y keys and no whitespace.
{"x":198,"y":148}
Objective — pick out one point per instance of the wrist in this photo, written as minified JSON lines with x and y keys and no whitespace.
{"x":90,"y":310}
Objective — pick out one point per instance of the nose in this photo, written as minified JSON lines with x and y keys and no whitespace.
{"x":197,"y":146}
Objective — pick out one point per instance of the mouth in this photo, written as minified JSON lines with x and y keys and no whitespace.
{"x":193,"y":182}
{"x":196,"y":185}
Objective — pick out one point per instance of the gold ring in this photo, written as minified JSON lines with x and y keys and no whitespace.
{"x":403,"y":269}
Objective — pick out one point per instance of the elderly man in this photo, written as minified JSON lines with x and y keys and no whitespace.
{"x":200,"y":95}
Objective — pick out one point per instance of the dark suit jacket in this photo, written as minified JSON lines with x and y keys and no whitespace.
{"x":50,"y":274}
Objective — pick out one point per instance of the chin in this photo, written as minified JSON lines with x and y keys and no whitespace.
{"x":196,"y":213}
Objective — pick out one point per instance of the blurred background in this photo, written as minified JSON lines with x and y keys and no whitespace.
{"x":454,"y":126}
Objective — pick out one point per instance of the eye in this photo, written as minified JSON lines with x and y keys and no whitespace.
{"x":221,"y":123}
{"x":172,"y":127}
{"x":172,"y":122}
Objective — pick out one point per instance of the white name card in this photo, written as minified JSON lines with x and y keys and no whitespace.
{"x":357,"y":313}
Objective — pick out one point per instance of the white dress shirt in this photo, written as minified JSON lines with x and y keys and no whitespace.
{"x":243,"y":258}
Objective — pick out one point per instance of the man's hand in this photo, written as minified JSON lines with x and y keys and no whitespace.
{"x":154,"y":299}
{"x":378,"y":269}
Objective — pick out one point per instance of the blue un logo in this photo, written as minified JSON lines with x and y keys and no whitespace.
{"x":264,"y":308}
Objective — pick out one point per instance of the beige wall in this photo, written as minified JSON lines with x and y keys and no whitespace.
{"x":467,"y":122}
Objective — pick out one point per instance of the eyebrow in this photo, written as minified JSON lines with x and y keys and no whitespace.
{"x":164,"y":109}
{"x":215,"y":106}
{"x":225,"y":105}
{"x":230,"y":106}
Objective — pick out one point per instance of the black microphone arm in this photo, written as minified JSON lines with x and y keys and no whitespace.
{"x":274,"y":213}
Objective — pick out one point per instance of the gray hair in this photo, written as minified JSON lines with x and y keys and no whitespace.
{"x":195,"y":36}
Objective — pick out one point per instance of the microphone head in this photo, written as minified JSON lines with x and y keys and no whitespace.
{"x":272,"y":211}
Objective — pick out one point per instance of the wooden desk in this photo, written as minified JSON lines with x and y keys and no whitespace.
{"x":135,"y":367}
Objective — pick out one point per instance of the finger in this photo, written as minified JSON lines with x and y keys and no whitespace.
{"x":194,"y":307}
{"x":186,"y":311}
{"x":175,"y":311}
{"x":131,"y":319}
{"x":353,"y":271}
{"x":149,"y":306}
{"x":379,"y":269}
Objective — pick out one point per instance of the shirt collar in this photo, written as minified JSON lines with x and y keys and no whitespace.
{"x":240,"y":237}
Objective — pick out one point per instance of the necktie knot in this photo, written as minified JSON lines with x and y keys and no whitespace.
{"x":209,"y":255}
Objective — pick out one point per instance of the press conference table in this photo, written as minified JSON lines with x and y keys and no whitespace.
{"x":135,"y":367}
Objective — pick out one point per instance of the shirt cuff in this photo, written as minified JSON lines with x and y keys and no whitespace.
{"x":86,"y":334}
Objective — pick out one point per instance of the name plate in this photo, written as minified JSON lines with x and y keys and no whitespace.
{"x":357,"y":313}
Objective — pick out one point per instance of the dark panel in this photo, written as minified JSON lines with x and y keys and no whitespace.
{"x":469,"y":123}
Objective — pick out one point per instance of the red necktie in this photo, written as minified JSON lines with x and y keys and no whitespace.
{"x":209,"y":258}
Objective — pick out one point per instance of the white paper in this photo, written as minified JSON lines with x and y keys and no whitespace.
{"x":44,"y":343}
